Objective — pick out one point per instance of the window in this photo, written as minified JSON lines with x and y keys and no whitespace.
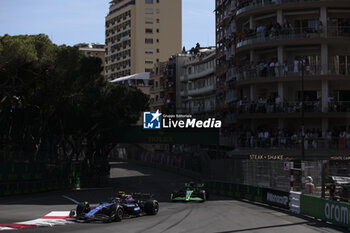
{"x":149,"y":41}
{"x":157,"y":29}
{"x":149,"y":51}
{"x":158,"y":11}
{"x":157,"y":59}
{"x":149,"y":11}
{"x":148,"y":70}
{"x":149,"y":21}
{"x":157,"y":1}
{"x":149,"y":1}
{"x":157,"y":20}
{"x":149,"y":30}
{"x":157,"y":50}
{"x":148,"y":62}
{"x":157,"y":40}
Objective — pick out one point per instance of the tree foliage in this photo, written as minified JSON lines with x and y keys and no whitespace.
{"x":55,"y":104}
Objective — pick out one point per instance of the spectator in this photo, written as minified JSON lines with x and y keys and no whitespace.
{"x":277,"y":68}
{"x":296,"y":65}
{"x":309,"y":186}
{"x":285,"y":68}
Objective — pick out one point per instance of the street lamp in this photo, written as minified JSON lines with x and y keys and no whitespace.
{"x":302,"y":62}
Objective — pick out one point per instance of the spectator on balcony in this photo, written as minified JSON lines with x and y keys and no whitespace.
{"x":278,"y":103}
{"x":347,"y":139}
{"x":307,"y":65}
{"x":262,"y":68}
{"x":272,"y":68}
{"x":277,"y":68}
{"x":253,"y":71}
{"x":285,"y":68}
{"x":342,"y":136}
{"x":296,"y":65}
{"x":266,"y":138}
{"x":320,"y":27}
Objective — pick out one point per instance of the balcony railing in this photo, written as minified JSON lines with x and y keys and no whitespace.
{"x":249,"y":5}
{"x":339,"y":106}
{"x":264,"y":70}
{"x":291,"y":34}
{"x":201,"y":73}
{"x":263,"y":106}
{"x":201,"y":91}
{"x":199,"y":109}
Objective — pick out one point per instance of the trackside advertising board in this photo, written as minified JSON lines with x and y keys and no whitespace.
{"x":276,"y":198}
{"x":335,"y":212}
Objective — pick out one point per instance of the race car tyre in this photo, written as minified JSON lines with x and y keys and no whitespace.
{"x":151,"y":207}
{"x":203,"y":195}
{"x":73,"y":213}
{"x":83,"y":207}
{"x":119,"y":214}
{"x":206,"y":194}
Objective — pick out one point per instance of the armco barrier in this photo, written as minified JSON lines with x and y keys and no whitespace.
{"x":335,"y":212}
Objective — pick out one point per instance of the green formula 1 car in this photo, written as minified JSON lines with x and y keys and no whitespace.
{"x":191,"y":192}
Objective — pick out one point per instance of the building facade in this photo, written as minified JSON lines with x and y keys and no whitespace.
{"x":286,"y":58}
{"x":158,"y":88}
{"x":198,"y":82}
{"x":140,"y":33}
{"x":93,"y":50}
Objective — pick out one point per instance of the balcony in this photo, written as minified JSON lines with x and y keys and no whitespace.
{"x":292,"y":109}
{"x":250,"y":5}
{"x":289,"y":72}
{"x":265,"y":106}
{"x":183,"y":78}
{"x":200,"y":74}
{"x":293,"y":34}
{"x":202,"y":91}
{"x":200,"y":109}
{"x":158,"y":102}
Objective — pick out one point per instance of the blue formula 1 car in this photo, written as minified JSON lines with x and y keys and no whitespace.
{"x":123,"y":206}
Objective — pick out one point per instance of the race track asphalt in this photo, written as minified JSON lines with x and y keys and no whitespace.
{"x":217,"y":215}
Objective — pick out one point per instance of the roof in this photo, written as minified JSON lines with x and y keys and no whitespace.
{"x":143,"y":76}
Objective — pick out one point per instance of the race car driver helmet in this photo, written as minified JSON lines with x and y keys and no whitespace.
{"x":121,"y":194}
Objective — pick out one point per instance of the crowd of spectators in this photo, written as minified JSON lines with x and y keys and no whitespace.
{"x":270,"y":105}
{"x":282,"y":138}
{"x":275,"y":105}
{"x":274,"y":30}
{"x":273,"y":68}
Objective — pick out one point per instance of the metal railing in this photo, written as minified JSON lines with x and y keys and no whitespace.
{"x":339,"y":106}
{"x":264,"y":70}
{"x":249,"y":5}
{"x":284,"y":107}
{"x":293,"y":33}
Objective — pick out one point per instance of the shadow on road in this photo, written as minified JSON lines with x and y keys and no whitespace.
{"x":123,"y":177}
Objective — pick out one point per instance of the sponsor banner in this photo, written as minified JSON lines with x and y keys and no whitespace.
{"x":335,"y":212}
{"x":54,"y":218}
{"x":275,"y":198}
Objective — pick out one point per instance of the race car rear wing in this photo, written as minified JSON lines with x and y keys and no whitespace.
{"x":140,"y":195}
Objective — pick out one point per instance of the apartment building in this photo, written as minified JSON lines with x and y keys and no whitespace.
{"x":93,"y":50}
{"x":140,"y":33}
{"x":198,"y":82}
{"x":282,"y":58}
